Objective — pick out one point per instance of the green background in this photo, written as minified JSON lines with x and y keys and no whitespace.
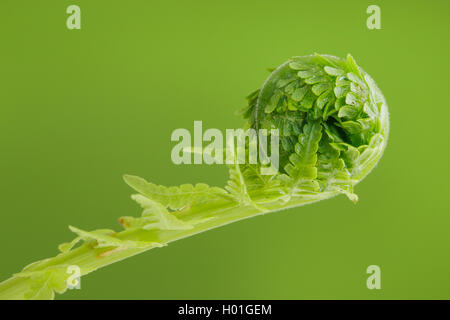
{"x":79,"y":108}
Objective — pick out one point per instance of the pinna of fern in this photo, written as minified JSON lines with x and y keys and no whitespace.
{"x":333,"y":127}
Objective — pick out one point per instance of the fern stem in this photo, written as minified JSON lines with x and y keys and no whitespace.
{"x":216,"y":213}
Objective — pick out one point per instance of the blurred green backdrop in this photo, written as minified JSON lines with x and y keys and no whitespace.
{"x":79,"y":108}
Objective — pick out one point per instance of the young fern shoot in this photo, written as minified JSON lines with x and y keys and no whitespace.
{"x":333,"y":127}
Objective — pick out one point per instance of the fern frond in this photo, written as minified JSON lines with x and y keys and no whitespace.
{"x":333,"y":127}
{"x":104,"y":238}
{"x":155,"y":216}
{"x":237,"y":186}
{"x":43,"y":284}
{"x":332,"y":173}
{"x":302,"y":170}
{"x":175,"y":198}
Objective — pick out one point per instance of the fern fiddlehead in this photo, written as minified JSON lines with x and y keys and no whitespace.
{"x":333,"y":125}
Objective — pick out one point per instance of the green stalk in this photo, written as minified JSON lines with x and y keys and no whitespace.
{"x":89,"y":258}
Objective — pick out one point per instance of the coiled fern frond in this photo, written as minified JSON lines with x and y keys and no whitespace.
{"x":333,"y":126}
